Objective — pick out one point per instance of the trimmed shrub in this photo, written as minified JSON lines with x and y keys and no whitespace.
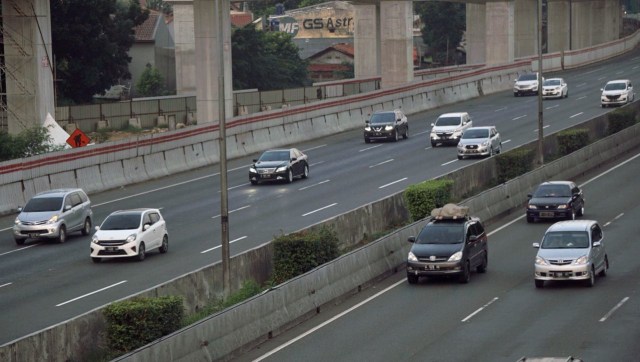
{"x":572,"y":140}
{"x":421,"y":198}
{"x":514,"y":163}
{"x":297,"y":253}
{"x":133,"y":323}
{"x":620,"y":119}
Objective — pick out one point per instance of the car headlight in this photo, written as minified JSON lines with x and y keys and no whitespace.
{"x":581,"y":260}
{"x":562,"y":207}
{"x":94,"y":239}
{"x":253,"y":170}
{"x":412,"y":257}
{"x":131,"y":238}
{"x":457,"y":133}
{"x":532,"y":207}
{"x":367,"y":128}
{"x":456,"y":256}
{"x":17,"y":221}
{"x":281,"y":169}
{"x":388,"y":127}
{"x":460,"y":146}
{"x":484,"y":144}
{"x":53,"y":219}
{"x":541,"y":261}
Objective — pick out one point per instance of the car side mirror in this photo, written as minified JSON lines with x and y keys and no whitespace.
{"x":601,"y":89}
{"x":529,"y":196}
{"x":399,"y":120}
{"x":473,"y":238}
{"x":20,"y":209}
{"x":536,"y":245}
{"x":411,"y":239}
{"x":293,"y":159}
{"x":145,"y":227}
{"x":597,"y":244}
{"x":67,"y":207}
{"x":433,"y":125}
{"x":255,"y":160}
{"x":366,"y":123}
{"x":97,"y":228}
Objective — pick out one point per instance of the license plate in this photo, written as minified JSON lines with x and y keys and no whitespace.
{"x":546,"y":214}
{"x":562,"y":274}
{"x":265,"y":176}
{"x":111,"y":248}
{"x":33,"y":236}
{"x":430,"y":267}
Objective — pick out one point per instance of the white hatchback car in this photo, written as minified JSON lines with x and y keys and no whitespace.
{"x":616,"y":93}
{"x":479,"y":141}
{"x":130,"y":233}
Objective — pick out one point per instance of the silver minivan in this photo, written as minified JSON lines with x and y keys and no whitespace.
{"x":53,"y":214}
{"x":571,"y":250}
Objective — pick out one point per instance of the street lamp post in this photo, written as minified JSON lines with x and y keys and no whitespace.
{"x":540,"y":118}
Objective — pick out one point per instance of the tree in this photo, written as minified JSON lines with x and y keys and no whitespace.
{"x":151,"y":83}
{"x":160,"y":5}
{"x":444,"y":24}
{"x":29,"y":142}
{"x":266,"y":60}
{"x":90,"y":41}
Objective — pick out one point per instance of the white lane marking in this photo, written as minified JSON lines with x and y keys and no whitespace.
{"x":369,"y":148}
{"x":336,"y":317}
{"x":423,"y":132}
{"x":479,"y":310}
{"x":601,"y":78}
{"x":219,"y":246}
{"x":624,"y":300}
{"x":316,"y":184}
{"x":614,"y":219}
{"x":620,"y":72}
{"x":446,"y":163}
{"x":581,"y":84}
{"x":557,"y":105}
{"x":316,"y":163}
{"x":543,"y":127}
{"x":5,"y":285}
{"x":592,"y":71}
{"x":507,"y":141}
{"x":94,"y":292}
{"x":391,"y":183}
{"x":13,"y":251}
{"x":314,"y":148}
{"x":235,"y":187}
{"x":513,"y":119}
{"x":238,"y":209}
{"x":5,"y":229}
{"x":583,"y":97}
{"x":320,"y":209}
{"x":576,"y":115}
{"x":426,"y":148}
{"x":381,"y":163}
{"x":636,"y":67}
{"x":500,"y":109}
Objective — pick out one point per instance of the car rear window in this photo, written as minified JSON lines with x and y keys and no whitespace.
{"x":121,"y":222}
{"x":41,"y":204}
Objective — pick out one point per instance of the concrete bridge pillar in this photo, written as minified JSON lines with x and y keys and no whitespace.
{"x":28,"y":62}
{"x":500,"y":34}
{"x":366,"y":41}
{"x":559,"y":26}
{"x":396,"y":23}
{"x":525,"y":25}
{"x":208,"y":58}
{"x":476,"y":34}
{"x":185,"y":46}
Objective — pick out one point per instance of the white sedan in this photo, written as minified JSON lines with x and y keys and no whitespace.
{"x":555,"y":88}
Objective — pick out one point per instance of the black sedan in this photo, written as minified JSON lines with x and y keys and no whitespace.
{"x":555,"y":200}
{"x":279,"y":165}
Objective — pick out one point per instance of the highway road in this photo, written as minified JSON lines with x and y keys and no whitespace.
{"x":44,"y":283}
{"x":500,"y":315}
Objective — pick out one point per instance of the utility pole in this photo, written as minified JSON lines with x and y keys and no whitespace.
{"x":540,"y":118}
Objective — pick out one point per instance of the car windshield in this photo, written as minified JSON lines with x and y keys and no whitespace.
{"x":274,"y":156}
{"x":552,"y":82}
{"x":41,"y":204}
{"x":475,"y":133}
{"x":441,"y":233}
{"x":565,"y":240}
{"x":386,"y":117}
{"x":615,"y":86}
{"x":121,"y":222}
{"x":448,"y":121}
{"x":553,"y":191}
{"x":527,"y":77}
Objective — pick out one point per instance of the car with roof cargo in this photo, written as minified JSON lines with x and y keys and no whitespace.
{"x":617,"y":93}
{"x":53,"y":215}
{"x":571,"y":251}
{"x":479,"y":141}
{"x":555,"y":200}
{"x":386,"y":125}
{"x":452,"y":243}
{"x":448,"y":128}
{"x":279,"y":165}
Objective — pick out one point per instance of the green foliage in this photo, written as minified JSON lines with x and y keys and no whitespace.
{"x":160,"y":5}
{"x":90,"y":43}
{"x":444,"y":24}
{"x":135,"y":322}
{"x":30,"y":142}
{"x":620,"y":119}
{"x":423,"y":197}
{"x":266,"y":60}
{"x":298,"y":253}
{"x":572,"y":140}
{"x":151,"y":83}
{"x":514,"y":163}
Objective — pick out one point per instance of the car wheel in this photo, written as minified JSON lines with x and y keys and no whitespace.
{"x":165,"y":245}
{"x":592,"y":279}
{"x":491,"y":152}
{"x":539,"y":283}
{"x":254,"y":182}
{"x":602,"y":105}
{"x":572,"y":216}
{"x":482,"y":268}
{"x":530,"y":219}
{"x":62,"y":236}
{"x":566,"y":95}
{"x":86,"y":229}
{"x":96,"y":260}
{"x":396,"y":136}
{"x":406,"y":133}
{"x":460,"y":157}
{"x":366,"y":140}
{"x":581,"y":211}
{"x":412,"y":279}
{"x":603,"y":272}
{"x":466,"y":273}
{"x":515,"y":94}
{"x":19,"y":241}
{"x":434,"y":144}
{"x":141,"y":252}
{"x":289,"y":176}
{"x":500,"y":148}
{"x":305,"y":173}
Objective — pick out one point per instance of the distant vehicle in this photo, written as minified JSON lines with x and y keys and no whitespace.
{"x":279,"y":165}
{"x":448,"y":128}
{"x":555,"y":200}
{"x":617,"y":93}
{"x":130,"y":233}
{"x":526,"y":84}
{"x":555,"y":88}
{"x":386,"y":125}
{"x":451,"y":244}
{"x":479,"y":141}
{"x":52,"y":215}
{"x":571,"y":250}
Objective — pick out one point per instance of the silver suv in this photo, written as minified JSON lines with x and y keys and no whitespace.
{"x":448,"y":128}
{"x":52,"y":215}
{"x":571,"y":250}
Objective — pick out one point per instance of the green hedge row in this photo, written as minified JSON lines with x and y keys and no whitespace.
{"x":620,"y":119}
{"x":572,"y":140}
{"x":421,"y":198}
{"x":514,"y":163}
